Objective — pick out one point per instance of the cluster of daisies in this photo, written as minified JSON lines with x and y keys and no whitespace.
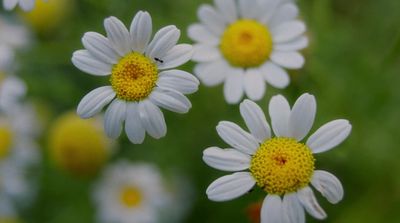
{"x":246,"y":45}
{"x":19,"y":153}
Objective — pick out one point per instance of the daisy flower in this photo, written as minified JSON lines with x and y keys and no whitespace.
{"x":19,"y":155}
{"x":141,"y":79}
{"x":79,"y":146}
{"x":281,"y":165}
{"x":25,"y":5}
{"x":246,"y":43}
{"x":130,"y":193}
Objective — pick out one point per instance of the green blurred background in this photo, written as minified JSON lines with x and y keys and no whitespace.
{"x":352,"y":67}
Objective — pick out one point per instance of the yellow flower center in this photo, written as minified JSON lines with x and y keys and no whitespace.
{"x":6,"y":138}
{"x":131,"y":196}
{"x":246,"y":43}
{"x":134,"y":77}
{"x":282,"y":165}
{"x":78,"y":146}
{"x":49,"y":14}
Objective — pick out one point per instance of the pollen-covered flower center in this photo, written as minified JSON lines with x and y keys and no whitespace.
{"x":131,"y":196}
{"x":78,"y":146}
{"x":246,"y":43}
{"x":282,"y":165}
{"x":134,"y":77}
{"x":6,"y":138}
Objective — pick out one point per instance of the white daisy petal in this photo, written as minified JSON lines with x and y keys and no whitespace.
{"x":100,"y":47}
{"x":284,"y":13}
{"x":287,"y":31}
{"x":292,"y":209}
{"x":226,"y":159}
{"x":133,"y":126}
{"x":296,"y":44}
{"x":179,"y":80}
{"x":302,"y":116}
{"x":114,"y":117}
{"x":228,"y":9}
{"x":279,"y":111}
{"x":307,"y":199}
{"x":275,"y":75}
{"x":248,"y":9}
{"x":205,"y":53}
{"x":254,"y":84}
{"x":269,"y":8}
{"x":233,"y":87}
{"x":118,"y":35}
{"x":27,"y":5}
{"x":212,"y":73}
{"x":213,"y":21}
{"x":255,"y":120}
{"x":200,"y":33}
{"x":329,"y":135}
{"x":9,"y":4}
{"x":271,"y":210}
{"x":230,"y":187}
{"x":171,"y":100}
{"x":95,"y":101}
{"x":329,"y":186}
{"x":236,"y":137}
{"x":86,"y":62}
{"x":163,"y":41}
{"x":152,"y":119}
{"x":290,"y":60}
{"x":140,"y":31}
{"x":176,"y":56}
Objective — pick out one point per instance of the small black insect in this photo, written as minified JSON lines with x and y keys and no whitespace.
{"x":158,"y":60}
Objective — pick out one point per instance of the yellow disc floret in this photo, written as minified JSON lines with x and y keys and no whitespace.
{"x":131,"y":196}
{"x":134,"y":77}
{"x":79,"y":147}
{"x":48,"y":15}
{"x":246,"y":43}
{"x":282,"y":165}
{"x":6,"y":139}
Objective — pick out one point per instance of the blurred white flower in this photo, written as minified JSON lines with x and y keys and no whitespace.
{"x":137,"y":88}
{"x":25,"y":5}
{"x":133,"y":193}
{"x":282,"y":165}
{"x":12,"y":89}
{"x":19,"y":155}
{"x":12,"y":37}
{"x":246,"y":43}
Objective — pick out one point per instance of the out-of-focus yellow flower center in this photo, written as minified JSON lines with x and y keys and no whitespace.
{"x":134,"y":77}
{"x":131,"y":196}
{"x":282,"y":165}
{"x":6,"y":140}
{"x":246,"y":43}
{"x":78,"y":146}
{"x":47,"y":15}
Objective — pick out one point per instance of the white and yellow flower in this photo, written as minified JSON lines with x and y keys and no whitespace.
{"x":25,"y":5}
{"x":246,"y":43}
{"x":130,"y":193}
{"x":79,"y":147}
{"x":19,"y":154}
{"x":281,"y":165}
{"x":141,"y":76}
